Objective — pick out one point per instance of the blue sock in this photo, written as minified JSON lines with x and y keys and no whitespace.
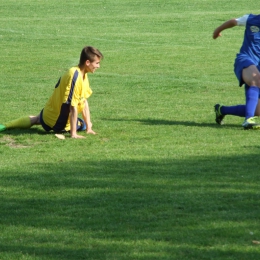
{"x":252,"y":94}
{"x":239,"y":110}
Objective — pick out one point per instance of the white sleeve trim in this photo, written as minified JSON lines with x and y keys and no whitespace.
{"x":241,"y":21}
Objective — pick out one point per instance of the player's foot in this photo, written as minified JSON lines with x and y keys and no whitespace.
{"x":219,"y":116}
{"x":2,"y":128}
{"x":251,"y":124}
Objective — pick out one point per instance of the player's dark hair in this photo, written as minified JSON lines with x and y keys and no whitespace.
{"x":89,"y":53}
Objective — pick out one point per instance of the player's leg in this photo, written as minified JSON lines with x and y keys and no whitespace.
{"x":251,"y":76}
{"x":238,"y":110}
{"x":257,"y":111}
{"x":22,"y":122}
{"x":221,"y":111}
{"x":35,"y":120}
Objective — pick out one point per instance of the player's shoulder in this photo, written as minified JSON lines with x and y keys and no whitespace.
{"x":72,"y":72}
{"x":254,"y":15}
{"x":242,"y":21}
{"x":253,"y":19}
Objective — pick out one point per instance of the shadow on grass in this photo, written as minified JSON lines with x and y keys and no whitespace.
{"x":40,"y":131}
{"x":190,"y":209}
{"x":173,"y":122}
{"x":33,"y":130}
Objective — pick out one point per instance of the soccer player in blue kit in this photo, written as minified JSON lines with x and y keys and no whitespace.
{"x":246,"y":68}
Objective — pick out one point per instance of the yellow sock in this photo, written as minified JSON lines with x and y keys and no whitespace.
{"x":23,"y":122}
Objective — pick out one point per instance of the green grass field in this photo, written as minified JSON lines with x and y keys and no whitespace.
{"x":160,"y":180}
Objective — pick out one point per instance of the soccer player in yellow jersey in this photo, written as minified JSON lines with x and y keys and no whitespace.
{"x":69,"y":98}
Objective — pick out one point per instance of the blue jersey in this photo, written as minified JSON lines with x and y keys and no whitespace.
{"x":250,"y":51}
{"x":251,"y":44}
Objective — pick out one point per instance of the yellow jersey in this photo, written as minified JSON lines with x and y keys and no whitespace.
{"x":71,"y":90}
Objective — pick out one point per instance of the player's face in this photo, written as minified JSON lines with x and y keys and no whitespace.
{"x":92,"y":66}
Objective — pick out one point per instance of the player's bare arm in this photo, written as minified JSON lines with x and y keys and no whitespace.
{"x":86,"y":117}
{"x":73,"y":123}
{"x":226,"y":25}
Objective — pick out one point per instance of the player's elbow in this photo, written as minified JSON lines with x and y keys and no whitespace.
{"x":73,"y":109}
{"x":233,"y":22}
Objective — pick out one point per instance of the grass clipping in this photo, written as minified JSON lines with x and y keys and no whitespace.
{"x":60,"y":136}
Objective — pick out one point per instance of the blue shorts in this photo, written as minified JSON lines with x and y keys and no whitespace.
{"x":242,"y":61}
{"x":81,"y":125}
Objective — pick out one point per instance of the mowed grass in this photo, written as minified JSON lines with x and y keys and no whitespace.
{"x":160,"y":180}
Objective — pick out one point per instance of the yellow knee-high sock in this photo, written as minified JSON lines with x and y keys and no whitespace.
{"x":23,"y":122}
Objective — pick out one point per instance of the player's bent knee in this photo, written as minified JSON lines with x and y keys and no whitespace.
{"x":256,"y":81}
{"x":35,"y":120}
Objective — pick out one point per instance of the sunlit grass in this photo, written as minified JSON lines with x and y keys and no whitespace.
{"x":160,"y":180}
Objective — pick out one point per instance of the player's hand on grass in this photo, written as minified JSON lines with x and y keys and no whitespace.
{"x":90,"y":131}
{"x":77,"y":136}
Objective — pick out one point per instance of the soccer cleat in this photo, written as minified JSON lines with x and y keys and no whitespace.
{"x":251,"y":124}
{"x":2,"y":128}
{"x":219,"y":116}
